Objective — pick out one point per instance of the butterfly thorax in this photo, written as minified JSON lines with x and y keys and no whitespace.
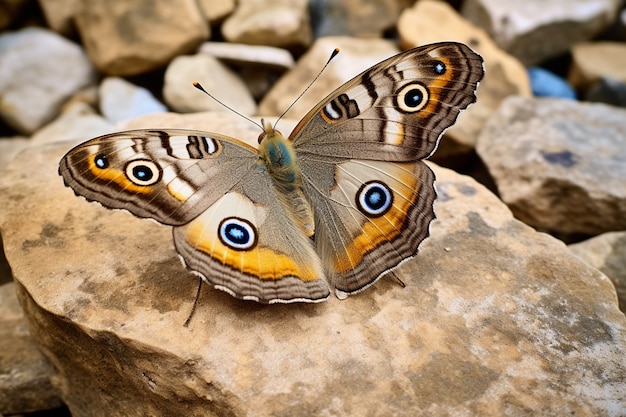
{"x":278,"y":157}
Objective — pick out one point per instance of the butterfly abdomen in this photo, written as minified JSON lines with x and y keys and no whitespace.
{"x":280,"y":160}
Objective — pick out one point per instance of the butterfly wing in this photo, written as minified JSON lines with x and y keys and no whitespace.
{"x":230,"y":227}
{"x":167,"y":175}
{"x":397,"y":110}
{"x":360,"y":152}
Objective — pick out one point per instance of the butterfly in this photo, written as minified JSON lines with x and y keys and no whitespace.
{"x":338,"y":204}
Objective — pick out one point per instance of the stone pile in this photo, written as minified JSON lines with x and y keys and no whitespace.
{"x":499,"y":317}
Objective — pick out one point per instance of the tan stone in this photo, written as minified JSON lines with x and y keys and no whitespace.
{"x":269,"y":22}
{"x":607,"y":252}
{"x":60,"y":14}
{"x":537,"y":30}
{"x":355,"y":55}
{"x":216,"y":78}
{"x":249,"y":55}
{"x":128,"y":38}
{"x":216,"y":10}
{"x":78,"y":123}
{"x":495,"y":319}
{"x":25,"y":384}
{"x":595,"y":60}
{"x":559,"y":164}
{"x":435,"y":21}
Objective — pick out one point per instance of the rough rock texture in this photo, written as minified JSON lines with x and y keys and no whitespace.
{"x":128,"y":38}
{"x":536,"y":30}
{"x":434,"y":21}
{"x":593,"y":61}
{"x":607,"y":252}
{"x":216,"y":78}
{"x":32,"y":89}
{"x":24,"y":373}
{"x":559,"y":164}
{"x":269,"y":22}
{"x":495,"y":319}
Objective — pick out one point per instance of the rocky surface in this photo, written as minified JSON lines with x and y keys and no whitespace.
{"x":535,"y":30}
{"x":25,"y":384}
{"x":524,"y":328}
{"x":496,"y":319}
{"x":120,"y":100}
{"x":129,"y":38}
{"x":595,"y":60}
{"x":559,"y":164}
{"x":607,"y":252}
{"x":32,"y":90}
{"x":274,"y":23}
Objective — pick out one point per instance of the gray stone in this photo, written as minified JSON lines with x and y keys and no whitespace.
{"x":559,"y":164}
{"x":495,"y":319}
{"x":39,"y":70}
{"x":537,"y":30}
{"x":216,"y":78}
{"x":121,"y":100}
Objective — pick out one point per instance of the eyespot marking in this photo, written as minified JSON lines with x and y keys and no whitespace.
{"x":101,"y":161}
{"x":142,"y":172}
{"x":439,"y":67}
{"x":412,"y":97}
{"x":237,"y":234}
{"x":374,"y":199}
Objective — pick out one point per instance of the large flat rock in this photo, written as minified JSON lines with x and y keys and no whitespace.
{"x":495,"y":319}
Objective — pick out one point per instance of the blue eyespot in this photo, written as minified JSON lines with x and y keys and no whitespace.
{"x":374,"y":199}
{"x":412,"y":97}
{"x":101,"y":161}
{"x":237,"y":233}
{"x":439,"y":68}
{"x":143,"y":172}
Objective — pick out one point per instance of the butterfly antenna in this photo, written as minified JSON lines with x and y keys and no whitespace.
{"x":332,"y":55}
{"x":199,"y":87}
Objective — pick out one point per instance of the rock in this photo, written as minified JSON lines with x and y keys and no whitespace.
{"x":359,"y":18}
{"x":545,"y":83}
{"x":32,"y":89}
{"x":535,"y":31}
{"x":595,"y":60}
{"x":609,"y":91}
{"x":11,"y":12}
{"x":216,"y":10}
{"x":269,"y":22}
{"x":60,"y":14}
{"x":356,"y":55}
{"x":25,"y":384}
{"x":607,"y":252}
{"x":11,"y":146}
{"x":215,"y":77}
{"x":249,"y":55}
{"x":559,"y":164}
{"x":129,"y":38}
{"x":500,"y":319}
{"x":120,"y":100}
{"x":258,"y":66}
{"x":78,"y":123}
{"x":435,"y":21}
